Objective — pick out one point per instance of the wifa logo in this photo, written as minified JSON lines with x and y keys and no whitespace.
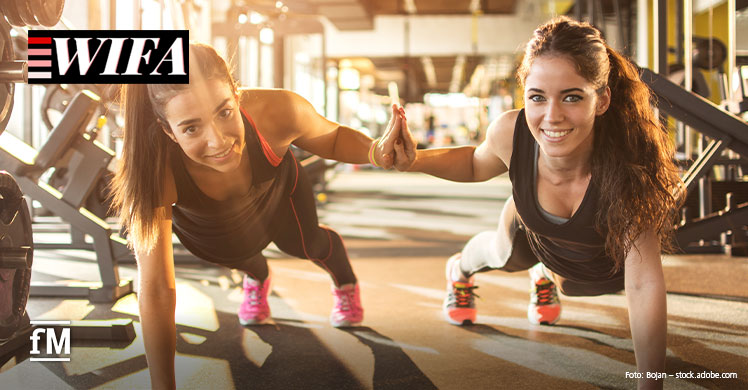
{"x":108,"y":57}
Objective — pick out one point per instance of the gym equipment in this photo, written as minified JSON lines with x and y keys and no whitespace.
{"x":55,"y":101}
{"x":47,"y":12}
{"x":85,"y":167}
{"x":32,"y":12}
{"x":725,"y":230}
{"x":735,"y":98}
{"x":16,"y":258}
{"x":708,"y":54}
{"x":57,"y":97}
{"x":16,"y":237}
{"x":6,"y":87}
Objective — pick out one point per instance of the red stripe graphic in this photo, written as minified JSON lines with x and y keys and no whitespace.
{"x":40,"y":40}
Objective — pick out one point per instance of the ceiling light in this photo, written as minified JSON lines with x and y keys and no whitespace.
{"x":266,"y":35}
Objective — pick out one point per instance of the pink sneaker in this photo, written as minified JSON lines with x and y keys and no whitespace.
{"x":347,"y":310}
{"x":544,"y":307}
{"x":255,"y":308}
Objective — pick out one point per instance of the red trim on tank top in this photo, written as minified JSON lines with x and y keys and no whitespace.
{"x":296,"y":179}
{"x":272,"y":158}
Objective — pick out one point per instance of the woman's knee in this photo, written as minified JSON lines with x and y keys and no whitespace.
{"x":314,"y":244}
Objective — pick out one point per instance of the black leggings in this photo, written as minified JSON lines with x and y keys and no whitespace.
{"x":300,"y":234}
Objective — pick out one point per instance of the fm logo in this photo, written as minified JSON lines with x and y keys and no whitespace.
{"x":55,"y":345}
{"x":108,"y":57}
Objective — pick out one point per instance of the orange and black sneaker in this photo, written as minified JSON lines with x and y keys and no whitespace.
{"x":459,"y":305}
{"x":545,"y":307}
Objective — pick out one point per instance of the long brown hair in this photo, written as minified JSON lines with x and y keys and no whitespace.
{"x":632,"y":160}
{"x":137,"y":188}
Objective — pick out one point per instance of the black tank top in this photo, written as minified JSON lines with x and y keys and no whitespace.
{"x":234,"y":229}
{"x":574,"y":249}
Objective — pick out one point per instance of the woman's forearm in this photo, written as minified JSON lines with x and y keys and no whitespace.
{"x":350,"y":146}
{"x":159,"y":335}
{"x":454,"y":164}
{"x":648,"y":320}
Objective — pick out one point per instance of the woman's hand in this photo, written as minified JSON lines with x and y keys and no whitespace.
{"x":396,"y":147}
{"x":405,"y":146}
{"x":383,"y":152}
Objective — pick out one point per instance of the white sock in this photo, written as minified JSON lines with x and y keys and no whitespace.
{"x":539,"y":271}
{"x":457,"y":275}
{"x":345,"y":286}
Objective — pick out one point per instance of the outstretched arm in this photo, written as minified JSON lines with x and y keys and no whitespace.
{"x":157,"y":302}
{"x":645,"y":293}
{"x":470,"y":163}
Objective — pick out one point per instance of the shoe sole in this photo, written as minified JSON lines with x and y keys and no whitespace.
{"x":548,"y":323}
{"x":452,"y":321}
{"x":457,"y":323}
{"x":252,"y":322}
{"x":345,"y":324}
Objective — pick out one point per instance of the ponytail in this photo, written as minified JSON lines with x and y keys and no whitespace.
{"x":633,"y":165}
{"x":139,"y":180}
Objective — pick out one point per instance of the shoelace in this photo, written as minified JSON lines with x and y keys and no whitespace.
{"x":344,"y":300}
{"x":254,"y":294}
{"x":464,"y":295}
{"x":544,"y":292}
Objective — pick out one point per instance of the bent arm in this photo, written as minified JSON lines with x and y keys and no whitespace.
{"x":316,"y":134}
{"x":645,"y":294}
{"x":157,"y":302}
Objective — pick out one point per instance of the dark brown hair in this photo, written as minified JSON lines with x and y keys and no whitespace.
{"x":137,"y":189}
{"x":632,"y":158}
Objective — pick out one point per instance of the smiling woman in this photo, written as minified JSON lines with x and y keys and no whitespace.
{"x":594,"y":188}
{"x":211,"y":163}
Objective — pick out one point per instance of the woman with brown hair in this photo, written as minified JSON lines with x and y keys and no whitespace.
{"x":595,"y":190}
{"x":211,"y":162}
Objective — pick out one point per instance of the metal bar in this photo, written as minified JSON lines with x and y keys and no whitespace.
{"x":679,"y":31}
{"x":731,"y":43}
{"x":705,"y":193}
{"x":699,"y":113}
{"x":712,"y":225}
{"x":703,"y":163}
{"x":660,"y":38}
{"x":14,"y":72}
{"x":642,"y":32}
{"x":619,"y":20}
{"x":687,"y":40}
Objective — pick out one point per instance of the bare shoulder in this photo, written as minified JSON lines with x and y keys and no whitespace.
{"x":261,"y":102}
{"x":500,"y":135}
{"x":274,"y":111}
